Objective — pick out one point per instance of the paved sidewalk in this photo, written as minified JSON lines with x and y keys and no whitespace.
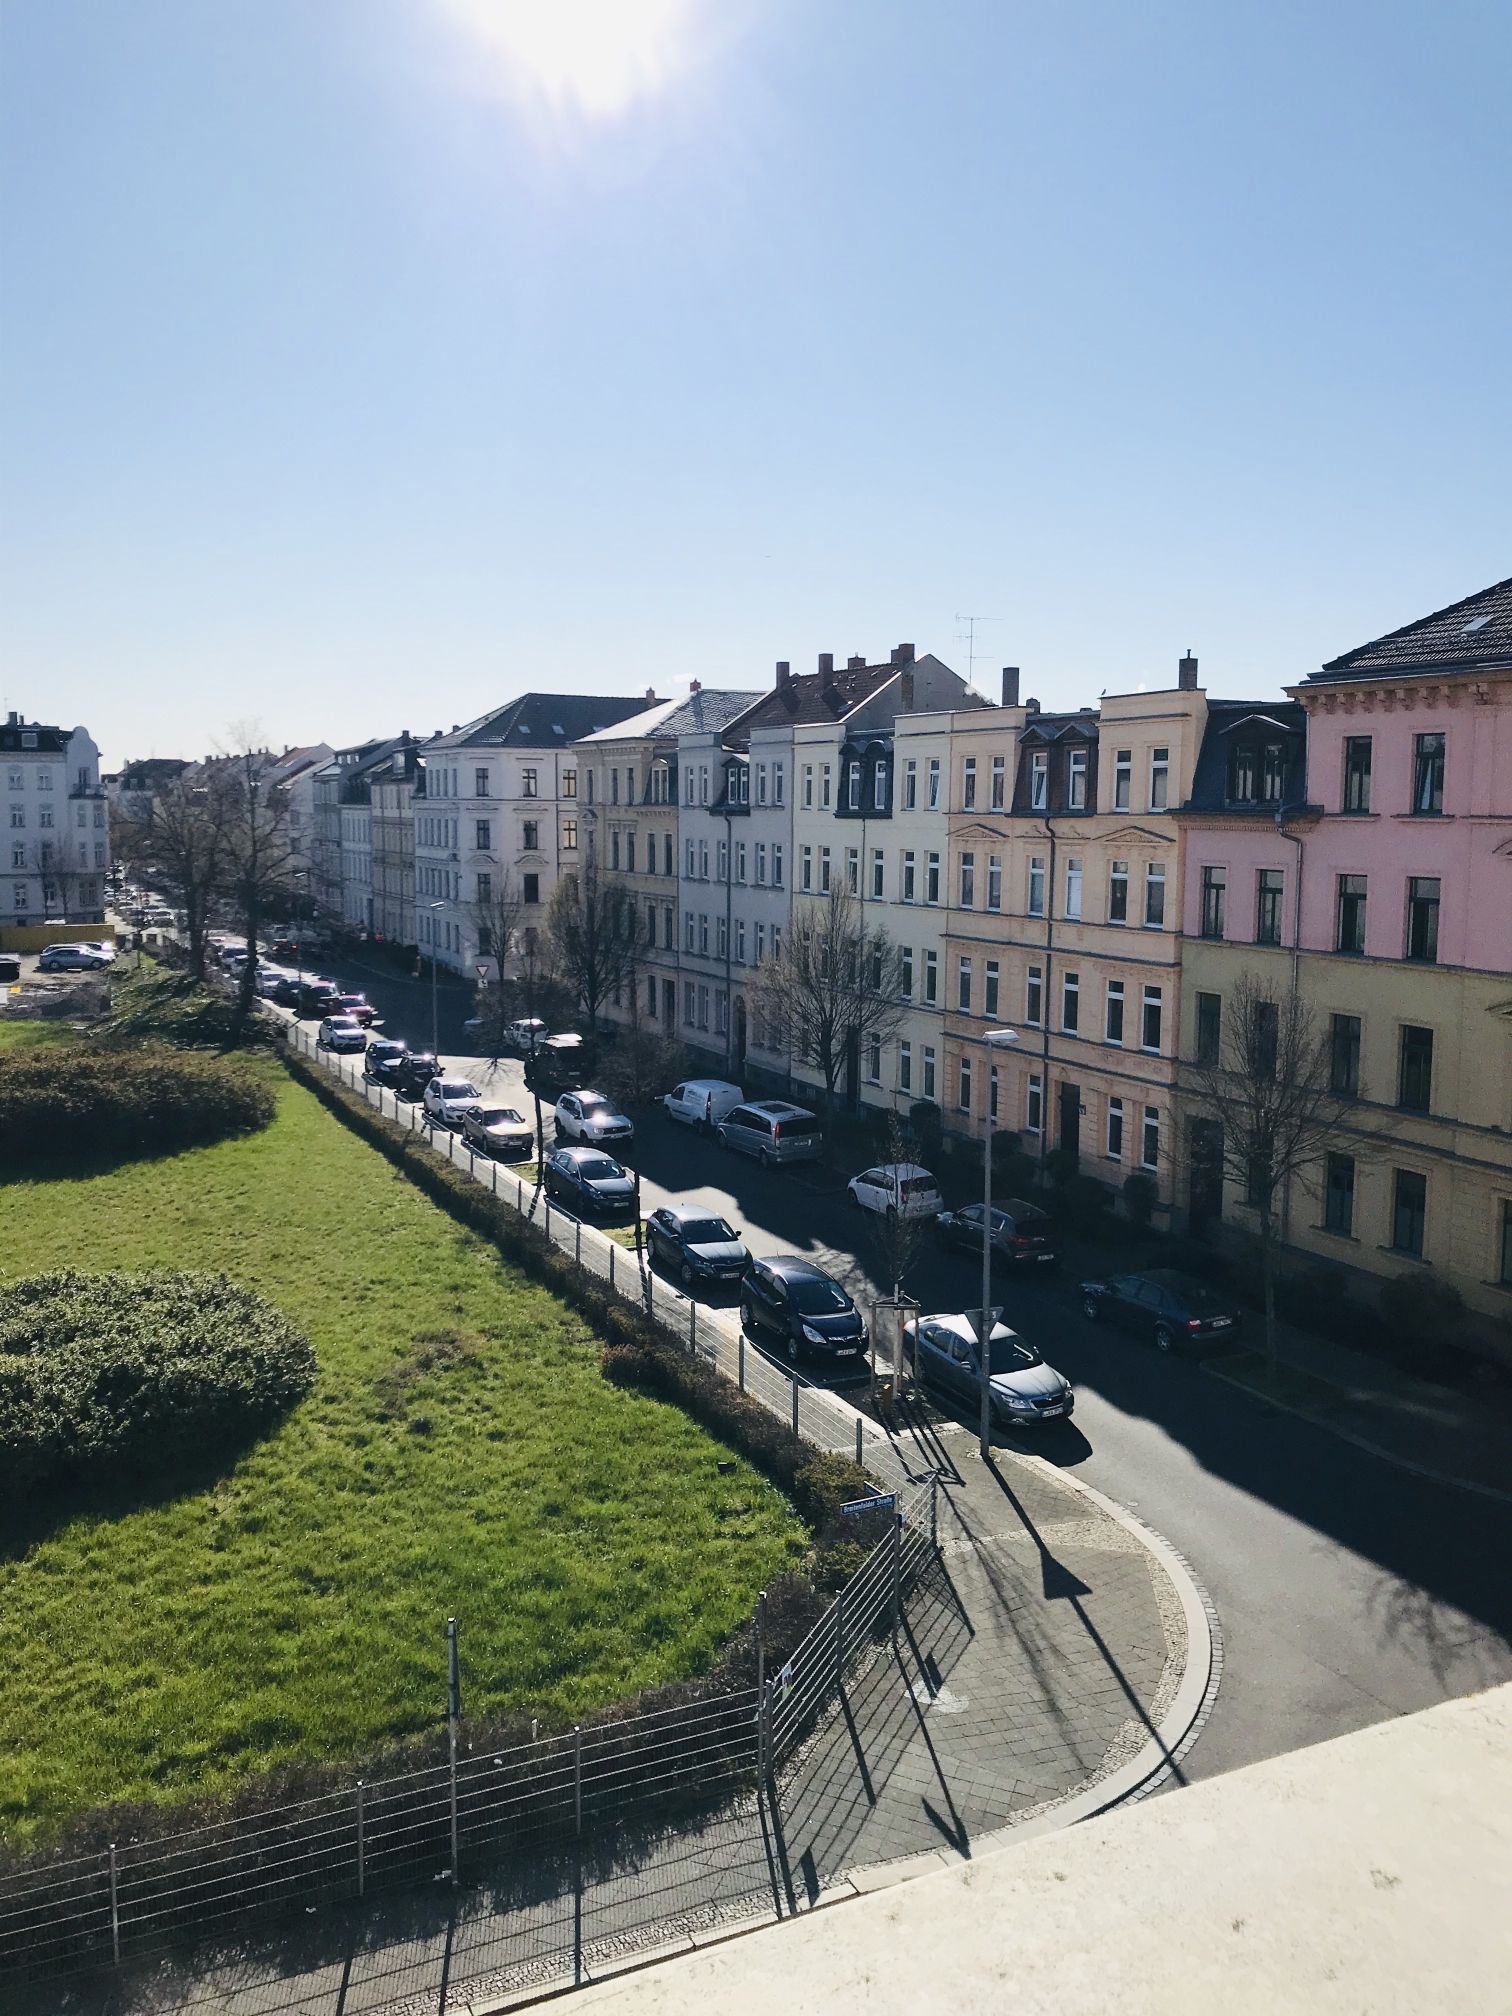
{"x":1042,"y":1655}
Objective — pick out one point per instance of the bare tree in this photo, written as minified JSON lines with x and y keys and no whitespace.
{"x":179,"y":837}
{"x":496,"y":920}
{"x":1271,"y":1109}
{"x":595,"y":934}
{"x":259,"y":857}
{"x":833,"y":988}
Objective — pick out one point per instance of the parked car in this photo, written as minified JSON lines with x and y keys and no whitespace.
{"x":230,"y":954}
{"x":897,"y":1190}
{"x":416,"y":1072}
{"x":589,"y":1116}
{"x":70,"y":959}
{"x":1022,"y":1234}
{"x":1024,"y":1388}
{"x":558,"y":1064}
{"x":104,"y":946}
{"x":499,"y":1131}
{"x":316,"y":997}
{"x":1168,"y":1307}
{"x":697,"y":1245}
{"x":447,"y":1099}
{"x":341,"y":1032}
{"x":287,"y":989}
{"x":809,"y":1314}
{"x":525,"y":1034}
{"x":773,"y":1131}
{"x":10,"y":966}
{"x":589,"y":1181}
{"x":269,"y":979}
{"x":385,"y":1060}
{"x":358,"y":1007}
{"x":702,"y":1102}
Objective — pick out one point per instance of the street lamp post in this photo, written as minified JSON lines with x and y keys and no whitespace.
{"x":435,"y":1023}
{"x":997,"y":1039}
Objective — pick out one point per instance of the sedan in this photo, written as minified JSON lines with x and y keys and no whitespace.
{"x":499,"y":1131}
{"x":590,"y":1182}
{"x":70,"y":959}
{"x":809,"y":1314}
{"x":341,"y":1032}
{"x":358,"y":1007}
{"x":448,"y":1099}
{"x":588,"y":1116}
{"x":897,"y":1190}
{"x":104,"y":946}
{"x":696,"y":1245}
{"x":386,"y":1058}
{"x":1169,"y":1308}
{"x":1022,"y":1234}
{"x":1024,"y":1388}
{"x":416,"y":1072}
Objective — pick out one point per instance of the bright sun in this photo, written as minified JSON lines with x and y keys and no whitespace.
{"x":591,"y":56}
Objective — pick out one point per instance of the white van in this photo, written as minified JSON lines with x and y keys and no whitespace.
{"x":702,"y":1102}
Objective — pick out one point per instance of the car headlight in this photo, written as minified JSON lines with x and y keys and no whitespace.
{"x":814,"y":1336}
{"x":1016,"y":1400}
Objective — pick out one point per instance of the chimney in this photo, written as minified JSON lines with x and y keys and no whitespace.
{"x":855,"y":664}
{"x":694,"y":686}
{"x":826,"y":664}
{"x":650,"y":696}
{"x":1186,"y":674}
{"x":1031,"y":707}
{"x":1010,"y":685}
{"x":906,"y":694}
{"x":13,"y":719}
{"x":903,"y":654}
{"x":784,"y":675}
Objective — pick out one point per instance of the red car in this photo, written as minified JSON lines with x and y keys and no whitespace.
{"x":356,"y":1005}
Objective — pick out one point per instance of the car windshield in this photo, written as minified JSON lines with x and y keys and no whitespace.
{"x":599,"y":1168}
{"x":354,"y":1000}
{"x":342,"y":1023}
{"x":500,"y":1116}
{"x":458,"y":1088}
{"x":591,"y":1103}
{"x":385,"y":1048}
{"x":1011,"y":1354}
{"x":817,"y":1295}
{"x":708,"y":1232}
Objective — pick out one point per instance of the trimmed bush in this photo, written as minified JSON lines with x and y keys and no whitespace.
{"x":104,"y":1373}
{"x":83,"y":1104}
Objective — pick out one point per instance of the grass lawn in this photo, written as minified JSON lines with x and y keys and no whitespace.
{"x":460,"y":1453}
{"x":32,"y":1035}
{"x":1291,"y":1387}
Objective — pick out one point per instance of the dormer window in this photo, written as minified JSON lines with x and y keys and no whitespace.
{"x":1257,"y":773}
{"x":853,"y":785}
{"x":1076,"y":780}
{"x":1039,"y":780}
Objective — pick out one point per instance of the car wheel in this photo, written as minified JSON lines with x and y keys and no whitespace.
{"x":747,"y":1321}
{"x":1165,"y":1337}
{"x":685,"y":1275}
{"x":892,"y":1217}
{"x":1091,"y":1308}
{"x":765,"y":1158}
{"x":792,"y":1348}
{"x":852,"y":1199}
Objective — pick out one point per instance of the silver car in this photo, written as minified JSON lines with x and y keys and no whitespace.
{"x":1024,"y":1388}
{"x":590,"y":1118}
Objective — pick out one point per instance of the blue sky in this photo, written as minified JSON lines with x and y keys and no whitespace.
{"x":356,"y":372}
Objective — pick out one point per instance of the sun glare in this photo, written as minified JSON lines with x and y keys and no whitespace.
{"x":595,"y":57}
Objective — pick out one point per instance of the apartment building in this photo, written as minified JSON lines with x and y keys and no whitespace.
{"x":503,"y":808}
{"x":394,"y":787}
{"x":630,"y":776}
{"x":331,"y":839}
{"x":294,"y":773}
{"x":57,"y":825}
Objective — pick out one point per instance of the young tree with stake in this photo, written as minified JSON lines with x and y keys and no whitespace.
{"x":594,"y":930}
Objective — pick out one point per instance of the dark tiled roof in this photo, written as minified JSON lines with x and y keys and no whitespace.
{"x":707,"y":713}
{"x":542,"y":721}
{"x":1444,"y":641}
{"x":1225,"y":720}
{"x":150,"y":772}
{"x":1054,"y":727}
{"x":810,"y":697}
{"x":44,"y":741}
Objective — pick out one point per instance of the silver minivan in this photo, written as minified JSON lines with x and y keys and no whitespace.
{"x":773,"y":1131}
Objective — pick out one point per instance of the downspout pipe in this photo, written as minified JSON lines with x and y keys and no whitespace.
{"x":1296,"y":971}
{"x":1047,"y":1003}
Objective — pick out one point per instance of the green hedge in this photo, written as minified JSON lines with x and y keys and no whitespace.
{"x":85,"y":1104}
{"x":103,"y":1373}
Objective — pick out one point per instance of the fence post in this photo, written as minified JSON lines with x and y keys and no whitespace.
{"x":577,"y":1245}
{"x":115,"y":1908}
{"x":934,"y":1512}
{"x":897,"y":1569}
{"x":612,"y":1250}
{"x":740,"y":1360}
{"x":577,"y":1857}
{"x":361,"y":1840}
{"x":766,"y":1720}
{"x":840,"y":1638}
{"x":520,"y":1195}
{"x":453,"y":1713}
{"x":692,"y":1327}
{"x":795,"y":1404}
{"x":548,"y":1214}
{"x":858,"y":1438}
{"x":761,"y":1641}
{"x":650,"y":1288}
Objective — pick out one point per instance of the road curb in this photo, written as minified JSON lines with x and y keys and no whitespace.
{"x":1363,"y":1442}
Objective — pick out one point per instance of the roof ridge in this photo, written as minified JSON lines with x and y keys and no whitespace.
{"x":1417,"y":623}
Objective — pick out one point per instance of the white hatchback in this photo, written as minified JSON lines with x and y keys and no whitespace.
{"x":897,"y":1189}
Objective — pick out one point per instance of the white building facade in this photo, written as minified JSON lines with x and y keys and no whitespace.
{"x":57,"y":825}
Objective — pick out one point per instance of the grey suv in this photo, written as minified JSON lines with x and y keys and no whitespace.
{"x":773,"y":1131}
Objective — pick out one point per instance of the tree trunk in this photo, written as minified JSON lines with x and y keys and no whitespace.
{"x":1268,"y":1278}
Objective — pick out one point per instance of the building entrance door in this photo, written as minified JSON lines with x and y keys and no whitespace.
{"x":1070,"y":1118}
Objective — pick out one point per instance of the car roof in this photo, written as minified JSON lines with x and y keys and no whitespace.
{"x":777,"y":1107}
{"x":709,"y":1085}
{"x":902,"y":1169}
{"x":790,"y":1264}
{"x":963,"y":1327}
{"x":581,"y":1148}
{"x":681,"y":1213}
{"x":1020,"y":1207}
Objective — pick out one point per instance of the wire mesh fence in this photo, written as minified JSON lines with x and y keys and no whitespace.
{"x":533,"y":1807}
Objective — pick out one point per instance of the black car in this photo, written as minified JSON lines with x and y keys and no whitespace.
{"x":589,"y":1181}
{"x":560,"y":1064}
{"x":416,"y":1072}
{"x":500,"y":1131}
{"x":696,"y":1245}
{"x":316,"y":997}
{"x":1022,"y":1234}
{"x":811,"y":1315}
{"x":286,"y":992}
{"x":386,"y":1058}
{"x":1170,"y":1308}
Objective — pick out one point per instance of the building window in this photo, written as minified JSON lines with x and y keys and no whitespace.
{"x":931,"y":878}
{"x":569,"y":784}
{"x":761,"y":864}
{"x":990,"y":997}
{"x":1504,"y":1273}
{"x":853,"y":870}
{"x":931,"y":977}
{"x":824,"y":787}
{"x":1264,"y":1042}
{"x":1351,"y":914}
{"x":1338,"y":1194}
{"x":688,"y":931}
{"x":905,"y":971}
{"x":703,"y":932}
{"x":963,"y":985}
{"x":963,"y":1086}
{"x":992,"y":1092}
{"x":740,"y":861}
{"x":1123,"y":772}
{"x":760,"y":942}
{"x":690,"y":858}
{"x":776,"y":864}
{"x":997,"y":783}
{"x":529,"y":782}
{"x":1160,"y":778}
{"x":722,"y":862}
{"x":778,"y":783}
{"x":1039,"y":780}
{"x":1113,"y":1013}
{"x":1154,"y":903}
{"x":824,"y":871}
{"x":879,"y":785}
{"x":1268,"y":891}
{"x":1409,"y":1211}
{"x":1357,"y":773}
{"x":483,"y":835}
{"x":1427,"y":774}
{"x":910,"y":784}
{"x":1423,"y":918}
{"x":761,"y":783}
{"x":531,"y":888}
{"x":569,"y":836}
{"x":806,"y":868}
{"x":1150,"y":1027}
{"x":703,"y":860}
{"x":968,"y":879}
{"x":1115,"y":1130}
{"x":1037,"y":885}
{"x":1344,"y":1056}
{"x":485,"y":888}
{"x":1118,"y":892}
{"x":1149,"y":1139}
{"x":690,"y":1003}
{"x":740,"y":941}
{"x":905,"y":1066}
{"x":908,"y":875}
{"x":1209,"y":1027}
{"x":1070,"y":1002}
{"x":1415,"y":1070}
{"x":1214,"y":888}
{"x":808,"y":786}
{"x":934,"y":783}
{"x":1076,"y":780}
{"x":874,"y":1060}
{"x":722,"y":938}
{"x":853,"y":785}
{"x":878,"y":874}
{"x":1034,"y":992}
{"x":1073,"y":888}
{"x":968,"y":785}
{"x":1034,"y":1104}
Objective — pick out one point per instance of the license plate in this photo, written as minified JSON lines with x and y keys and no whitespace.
{"x":1043,"y":1257}
{"x":1221,"y":1323}
{"x":1058,"y":1408}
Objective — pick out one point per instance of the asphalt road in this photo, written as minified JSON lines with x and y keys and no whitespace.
{"x":1347,"y":1589}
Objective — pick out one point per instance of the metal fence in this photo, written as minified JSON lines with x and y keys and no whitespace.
{"x":530,"y":1807}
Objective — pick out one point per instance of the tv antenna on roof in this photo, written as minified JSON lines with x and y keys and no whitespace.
{"x":968,"y":636}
